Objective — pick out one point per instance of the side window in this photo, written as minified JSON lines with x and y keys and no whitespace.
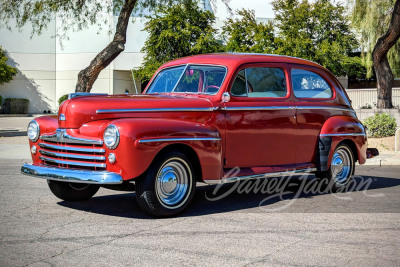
{"x":261,"y":82}
{"x":266,"y":82}
{"x":239,"y":85}
{"x":308,"y":84}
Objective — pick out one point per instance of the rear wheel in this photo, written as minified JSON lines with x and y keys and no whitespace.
{"x":168,"y":186}
{"x":72,"y":191}
{"x":341,"y":168}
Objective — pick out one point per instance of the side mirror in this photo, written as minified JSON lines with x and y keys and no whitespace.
{"x":225,"y":97}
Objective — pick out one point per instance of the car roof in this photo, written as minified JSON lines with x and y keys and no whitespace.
{"x":236,"y":59}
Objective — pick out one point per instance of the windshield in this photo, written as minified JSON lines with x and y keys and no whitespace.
{"x":194,"y":79}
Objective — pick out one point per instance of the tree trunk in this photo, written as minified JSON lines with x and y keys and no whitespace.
{"x":383,"y":72}
{"x":88,"y":76}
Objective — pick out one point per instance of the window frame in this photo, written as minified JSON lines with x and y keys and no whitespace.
{"x":283,"y":66}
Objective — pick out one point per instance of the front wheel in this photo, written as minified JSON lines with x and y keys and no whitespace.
{"x":72,"y":191}
{"x":341,"y":169}
{"x":168,"y":186}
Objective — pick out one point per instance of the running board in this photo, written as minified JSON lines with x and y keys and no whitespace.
{"x":258,"y":176}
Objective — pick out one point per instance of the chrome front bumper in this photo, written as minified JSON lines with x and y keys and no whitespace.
{"x":70,"y":175}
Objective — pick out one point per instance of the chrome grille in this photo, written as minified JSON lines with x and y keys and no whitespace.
{"x":64,"y":151}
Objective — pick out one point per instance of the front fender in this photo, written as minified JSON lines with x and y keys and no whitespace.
{"x":142,"y":139}
{"x":336,"y":130}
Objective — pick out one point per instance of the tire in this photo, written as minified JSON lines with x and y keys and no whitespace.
{"x":168,"y":186}
{"x":341,"y":170}
{"x":72,"y":191}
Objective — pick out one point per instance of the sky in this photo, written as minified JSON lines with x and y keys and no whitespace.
{"x":262,"y":8}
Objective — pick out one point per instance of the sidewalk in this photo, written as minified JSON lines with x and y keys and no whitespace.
{"x":386,"y":158}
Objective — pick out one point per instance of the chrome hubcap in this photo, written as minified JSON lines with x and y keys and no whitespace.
{"x":341,"y":166}
{"x":173,"y":183}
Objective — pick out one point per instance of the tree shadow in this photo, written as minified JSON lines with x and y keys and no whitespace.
{"x":125,"y":205}
{"x":23,"y":87}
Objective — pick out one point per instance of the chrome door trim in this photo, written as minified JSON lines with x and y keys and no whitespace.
{"x":71,"y":175}
{"x":259,"y":108}
{"x":179,"y":139}
{"x":258,"y":176}
{"x":71,"y":156}
{"x":324,"y":107}
{"x":101,"y":111}
{"x":342,"y":134}
{"x":72,"y":149}
{"x":73,"y":163}
{"x":61,"y":136}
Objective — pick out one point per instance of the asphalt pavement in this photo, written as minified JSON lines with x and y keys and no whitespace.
{"x":225,"y":225}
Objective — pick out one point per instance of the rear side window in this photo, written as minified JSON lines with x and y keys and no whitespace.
{"x":308,"y":84}
{"x":260,"y":82}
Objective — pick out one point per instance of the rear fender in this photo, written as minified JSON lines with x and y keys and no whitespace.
{"x":340,"y":129}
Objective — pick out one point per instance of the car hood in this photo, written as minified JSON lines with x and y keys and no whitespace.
{"x":80,"y":110}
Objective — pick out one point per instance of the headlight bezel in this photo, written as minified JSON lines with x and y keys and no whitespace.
{"x":37,"y":131}
{"x":116,"y":137}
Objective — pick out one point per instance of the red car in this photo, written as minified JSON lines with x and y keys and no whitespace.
{"x":198,"y":118}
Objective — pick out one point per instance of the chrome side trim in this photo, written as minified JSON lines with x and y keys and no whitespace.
{"x":179,"y":139}
{"x":73,"y":163}
{"x":73,"y":149}
{"x":258,"y":176}
{"x":324,"y":107}
{"x":72,"y":176}
{"x":342,"y":134}
{"x":61,"y":136}
{"x":100,"y":111}
{"x":260,"y":108}
{"x":71,"y":156}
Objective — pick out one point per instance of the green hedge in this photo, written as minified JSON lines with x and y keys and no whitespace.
{"x":62,"y":98}
{"x":380,"y":125}
{"x":16,"y":106}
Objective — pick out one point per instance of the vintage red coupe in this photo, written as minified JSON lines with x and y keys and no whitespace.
{"x":198,"y":118}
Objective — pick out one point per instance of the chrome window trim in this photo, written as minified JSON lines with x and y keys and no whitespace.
{"x":61,"y":136}
{"x":155,"y":110}
{"x":74,"y":163}
{"x":342,"y":134}
{"x":179,"y":139}
{"x":71,"y":175}
{"x":73,"y":149}
{"x":258,"y":176}
{"x":71,"y":156}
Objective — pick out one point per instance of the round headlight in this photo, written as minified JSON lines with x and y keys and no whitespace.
{"x":111,"y":136}
{"x":33,"y":131}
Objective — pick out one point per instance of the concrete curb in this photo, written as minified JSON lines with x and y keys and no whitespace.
{"x":12,"y":133}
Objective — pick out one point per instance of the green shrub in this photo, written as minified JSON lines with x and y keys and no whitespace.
{"x":62,"y":99}
{"x":380,"y":125}
{"x":16,"y":105}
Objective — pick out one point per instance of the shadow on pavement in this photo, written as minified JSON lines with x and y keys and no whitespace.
{"x":125,"y":205}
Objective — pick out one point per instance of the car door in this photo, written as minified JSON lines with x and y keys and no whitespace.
{"x":315,"y":102}
{"x":260,"y":118}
